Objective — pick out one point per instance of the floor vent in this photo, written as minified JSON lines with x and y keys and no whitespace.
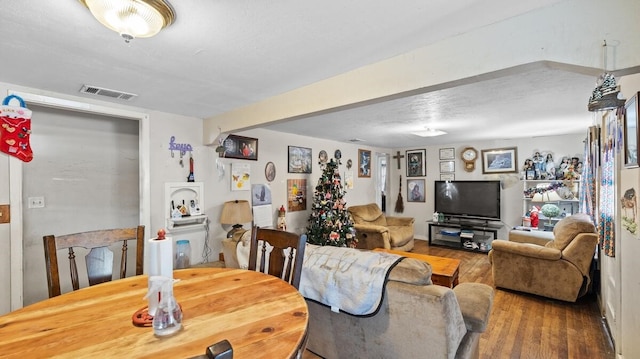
{"x":99,"y":91}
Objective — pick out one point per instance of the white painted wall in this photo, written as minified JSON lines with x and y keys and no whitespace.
{"x":512,"y":193}
{"x":273,"y":146}
{"x":628,"y":252}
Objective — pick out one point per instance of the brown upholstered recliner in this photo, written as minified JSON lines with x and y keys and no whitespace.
{"x":557,"y":267}
{"x":375,"y":230}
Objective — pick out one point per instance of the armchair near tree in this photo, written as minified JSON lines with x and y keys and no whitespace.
{"x":376,"y":230}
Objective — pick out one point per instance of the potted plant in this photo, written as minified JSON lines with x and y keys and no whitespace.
{"x":550,"y":211}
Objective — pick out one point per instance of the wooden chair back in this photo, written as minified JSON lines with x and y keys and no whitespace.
{"x":99,"y":259}
{"x":289,"y":267}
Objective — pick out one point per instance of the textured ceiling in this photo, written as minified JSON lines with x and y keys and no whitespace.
{"x":222,"y":55}
{"x":541,"y":101}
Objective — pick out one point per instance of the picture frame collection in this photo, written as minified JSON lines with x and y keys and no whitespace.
{"x":494,"y":160}
{"x":447,"y":164}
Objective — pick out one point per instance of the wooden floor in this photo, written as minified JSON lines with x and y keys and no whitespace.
{"x":528,"y":326}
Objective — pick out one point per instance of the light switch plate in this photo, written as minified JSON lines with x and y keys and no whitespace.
{"x":5,"y":213}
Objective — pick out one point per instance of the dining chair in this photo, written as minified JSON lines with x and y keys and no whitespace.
{"x":285,"y":259}
{"x":99,"y":260}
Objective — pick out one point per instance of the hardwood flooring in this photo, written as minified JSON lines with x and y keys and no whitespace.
{"x":527,"y":326}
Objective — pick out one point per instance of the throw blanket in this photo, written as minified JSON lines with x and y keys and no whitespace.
{"x":346,"y":279}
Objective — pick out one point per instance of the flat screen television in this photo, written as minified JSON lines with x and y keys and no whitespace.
{"x":468,"y":199}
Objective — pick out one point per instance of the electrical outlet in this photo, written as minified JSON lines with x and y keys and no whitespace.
{"x":36,"y":202}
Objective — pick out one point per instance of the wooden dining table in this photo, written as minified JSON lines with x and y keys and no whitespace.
{"x":260,"y":315}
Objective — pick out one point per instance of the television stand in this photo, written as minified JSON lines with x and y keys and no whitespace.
{"x":475,"y":236}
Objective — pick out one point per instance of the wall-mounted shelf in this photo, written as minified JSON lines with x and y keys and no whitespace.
{"x":187,"y":222}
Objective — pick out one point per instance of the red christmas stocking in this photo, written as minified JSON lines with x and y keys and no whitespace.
{"x":15,"y":129}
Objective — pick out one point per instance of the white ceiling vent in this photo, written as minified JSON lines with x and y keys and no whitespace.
{"x":100,"y":91}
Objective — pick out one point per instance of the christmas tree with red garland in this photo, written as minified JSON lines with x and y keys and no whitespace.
{"x":329,"y":223}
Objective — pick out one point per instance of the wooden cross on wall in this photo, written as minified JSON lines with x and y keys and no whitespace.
{"x":399,"y":157}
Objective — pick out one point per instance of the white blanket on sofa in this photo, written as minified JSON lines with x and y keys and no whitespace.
{"x":346,"y":279}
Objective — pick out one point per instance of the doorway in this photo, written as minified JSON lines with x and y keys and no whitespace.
{"x":84,"y":177}
{"x":19,"y":273}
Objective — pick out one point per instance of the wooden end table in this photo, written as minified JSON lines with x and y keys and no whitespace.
{"x":445,"y":271}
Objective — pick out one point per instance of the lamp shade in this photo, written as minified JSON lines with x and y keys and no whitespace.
{"x":236,"y":212}
{"x":132,"y":18}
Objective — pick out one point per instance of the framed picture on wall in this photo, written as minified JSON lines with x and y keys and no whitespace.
{"x":447,"y":166}
{"x":299,"y":159}
{"x":364,"y":163}
{"x":631,"y":132}
{"x":416,"y":163}
{"x":447,"y":153}
{"x":415,"y":190}
{"x":499,"y":160}
{"x":240,"y":147}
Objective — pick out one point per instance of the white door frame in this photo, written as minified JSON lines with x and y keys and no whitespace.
{"x":15,"y":179}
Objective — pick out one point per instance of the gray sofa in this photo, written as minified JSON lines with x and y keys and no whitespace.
{"x":417,"y":319}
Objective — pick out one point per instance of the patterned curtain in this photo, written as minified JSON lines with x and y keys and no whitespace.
{"x":610,"y":137}
{"x":588,"y":195}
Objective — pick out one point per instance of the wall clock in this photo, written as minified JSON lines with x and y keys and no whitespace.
{"x":469,"y":155}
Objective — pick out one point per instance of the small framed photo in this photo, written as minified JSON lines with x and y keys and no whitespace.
{"x":631,"y":132}
{"x":364,"y":163}
{"x":447,"y":177}
{"x":416,"y":163}
{"x":499,"y":160}
{"x":299,"y":159}
{"x":447,"y":153}
{"x":240,"y":147}
{"x":270,"y":171}
{"x":447,"y":166}
{"x":415,"y":190}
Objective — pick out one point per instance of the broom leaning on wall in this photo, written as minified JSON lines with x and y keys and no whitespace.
{"x":400,"y":203}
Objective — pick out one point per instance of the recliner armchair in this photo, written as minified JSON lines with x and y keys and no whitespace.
{"x":376,"y":230}
{"x":558,"y":267}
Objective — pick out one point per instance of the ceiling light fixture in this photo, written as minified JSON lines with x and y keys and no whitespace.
{"x":132,"y":18}
{"x":429,"y":132}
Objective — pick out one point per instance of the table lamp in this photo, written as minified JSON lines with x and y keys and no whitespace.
{"x":234,"y":213}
